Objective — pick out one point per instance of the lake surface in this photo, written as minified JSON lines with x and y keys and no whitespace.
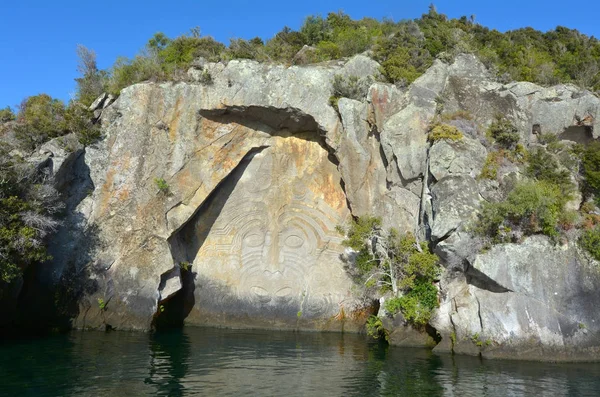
{"x":216,"y":362}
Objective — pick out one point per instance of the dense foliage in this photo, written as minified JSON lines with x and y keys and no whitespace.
{"x":405,"y":50}
{"x":446,"y":132}
{"x":27,"y":206}
{"x":390,"y":261}
{"x":590,"y":241}
{"x":591,"y":169}
{"x":532,"y":207}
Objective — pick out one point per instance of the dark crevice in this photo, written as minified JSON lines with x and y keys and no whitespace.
{"x":172,"y":312}
{"x":433,"y":333}
{"x":291,"y":119}
{"x":443,"y":238}
{"x":480,"y":280}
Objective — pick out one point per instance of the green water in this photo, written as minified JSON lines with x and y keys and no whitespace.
{"x":213,"y":362}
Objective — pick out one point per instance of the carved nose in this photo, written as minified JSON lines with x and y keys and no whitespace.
{"x":273,"y":258}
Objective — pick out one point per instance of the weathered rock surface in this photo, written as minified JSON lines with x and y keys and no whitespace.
{"x":528,"y":300}
{"x":218,"y":202}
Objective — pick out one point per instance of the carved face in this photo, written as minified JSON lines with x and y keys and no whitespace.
{"x":273,"y":241}
{"x":276,"y":256}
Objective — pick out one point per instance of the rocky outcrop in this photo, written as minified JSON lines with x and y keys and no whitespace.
{"x":215,"y":201}
{"x":532,"y":301}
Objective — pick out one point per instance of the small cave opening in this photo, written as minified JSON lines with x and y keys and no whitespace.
{"x":172,"y":312}
{"x":581,"y":134}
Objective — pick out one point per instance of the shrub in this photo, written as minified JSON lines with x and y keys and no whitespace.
{"x":40,"y":118}
{"x":504,"y":132}
{"x":491,"y":165}
{"x":375,"y":328}
{"x":92,"y":82}
{"x":351,"y":87}
{"x":315,"y":29}
{"x":591,"y":169}
{"x":393,"y":305}
{"x":446,"y":132}
{"x":78,"y":120}
{"x":126,"y":72}
{"x":590,"y":241}
{"x":393,"y":262}
{"x":418,"y":304}
{"x":326,"y":50}
{"x":242,"y":49}
{"x":205,"y":77}
{"x":162,"y":185}
{"x":180,"y":52}
{"x":532,"y":207}
{"x":544,"y":167}
{"x":6,"y":115}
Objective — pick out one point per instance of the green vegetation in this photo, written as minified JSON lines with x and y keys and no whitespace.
{"x":590,"y":241}
{"x":532,"y":207}
{"x":185,"y":266}
{"x":162,"y":185}
{"x":375,"y":328}
{"x":491,"y":165}
{"x":28,"y":205}
{"x":591,"y":170}
{"x":418,"y":304}
{"x":405,"y":50}
{"x":446,"y":132}
{"x":504,"y":133}
{"x":544,"y":167}
{"x":101,"y":304}
{"x":7,"y":115}
{"x":41,"y":118}
{"x":389,"y":261}
{"x":351,"y":87}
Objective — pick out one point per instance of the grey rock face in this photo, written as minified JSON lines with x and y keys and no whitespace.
{"x":530,"y":299}
{"x":226,"y":196}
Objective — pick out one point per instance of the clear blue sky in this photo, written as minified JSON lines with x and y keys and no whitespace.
{"x":38,"y":37}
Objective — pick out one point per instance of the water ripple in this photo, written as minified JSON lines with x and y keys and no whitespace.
{"x":227,"y":363}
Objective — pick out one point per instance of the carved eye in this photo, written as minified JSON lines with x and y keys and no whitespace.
{"x":254,"y":239}
{"x":259,"y":291}
{"x":294,"y":241}
{"x":283,"y":292}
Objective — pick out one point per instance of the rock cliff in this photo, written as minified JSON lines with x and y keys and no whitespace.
{"x":216,"y":203}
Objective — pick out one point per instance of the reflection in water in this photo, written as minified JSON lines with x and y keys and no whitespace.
{"x":221,"y":362}
{"x":169,"y":362}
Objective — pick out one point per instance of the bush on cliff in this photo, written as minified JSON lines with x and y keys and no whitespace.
{"x":394,"y":262}
{"x":446,"y":132}
{"x":591,"y":169}
{"x":40,"y":118}
{"x":590,"y":241}
{"x":543,"y":166}
{"x":532,"y":207}
{"x":27,"y":209}
{"x":6,"y":115}
{"x":504,"y":132}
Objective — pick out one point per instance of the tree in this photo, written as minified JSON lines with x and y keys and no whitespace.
{"x":91,"y":83}
{"x":6,"y":115}
{"x":388,"y":260}
{"x":396,"y":263}
{"x":40,"y":118}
